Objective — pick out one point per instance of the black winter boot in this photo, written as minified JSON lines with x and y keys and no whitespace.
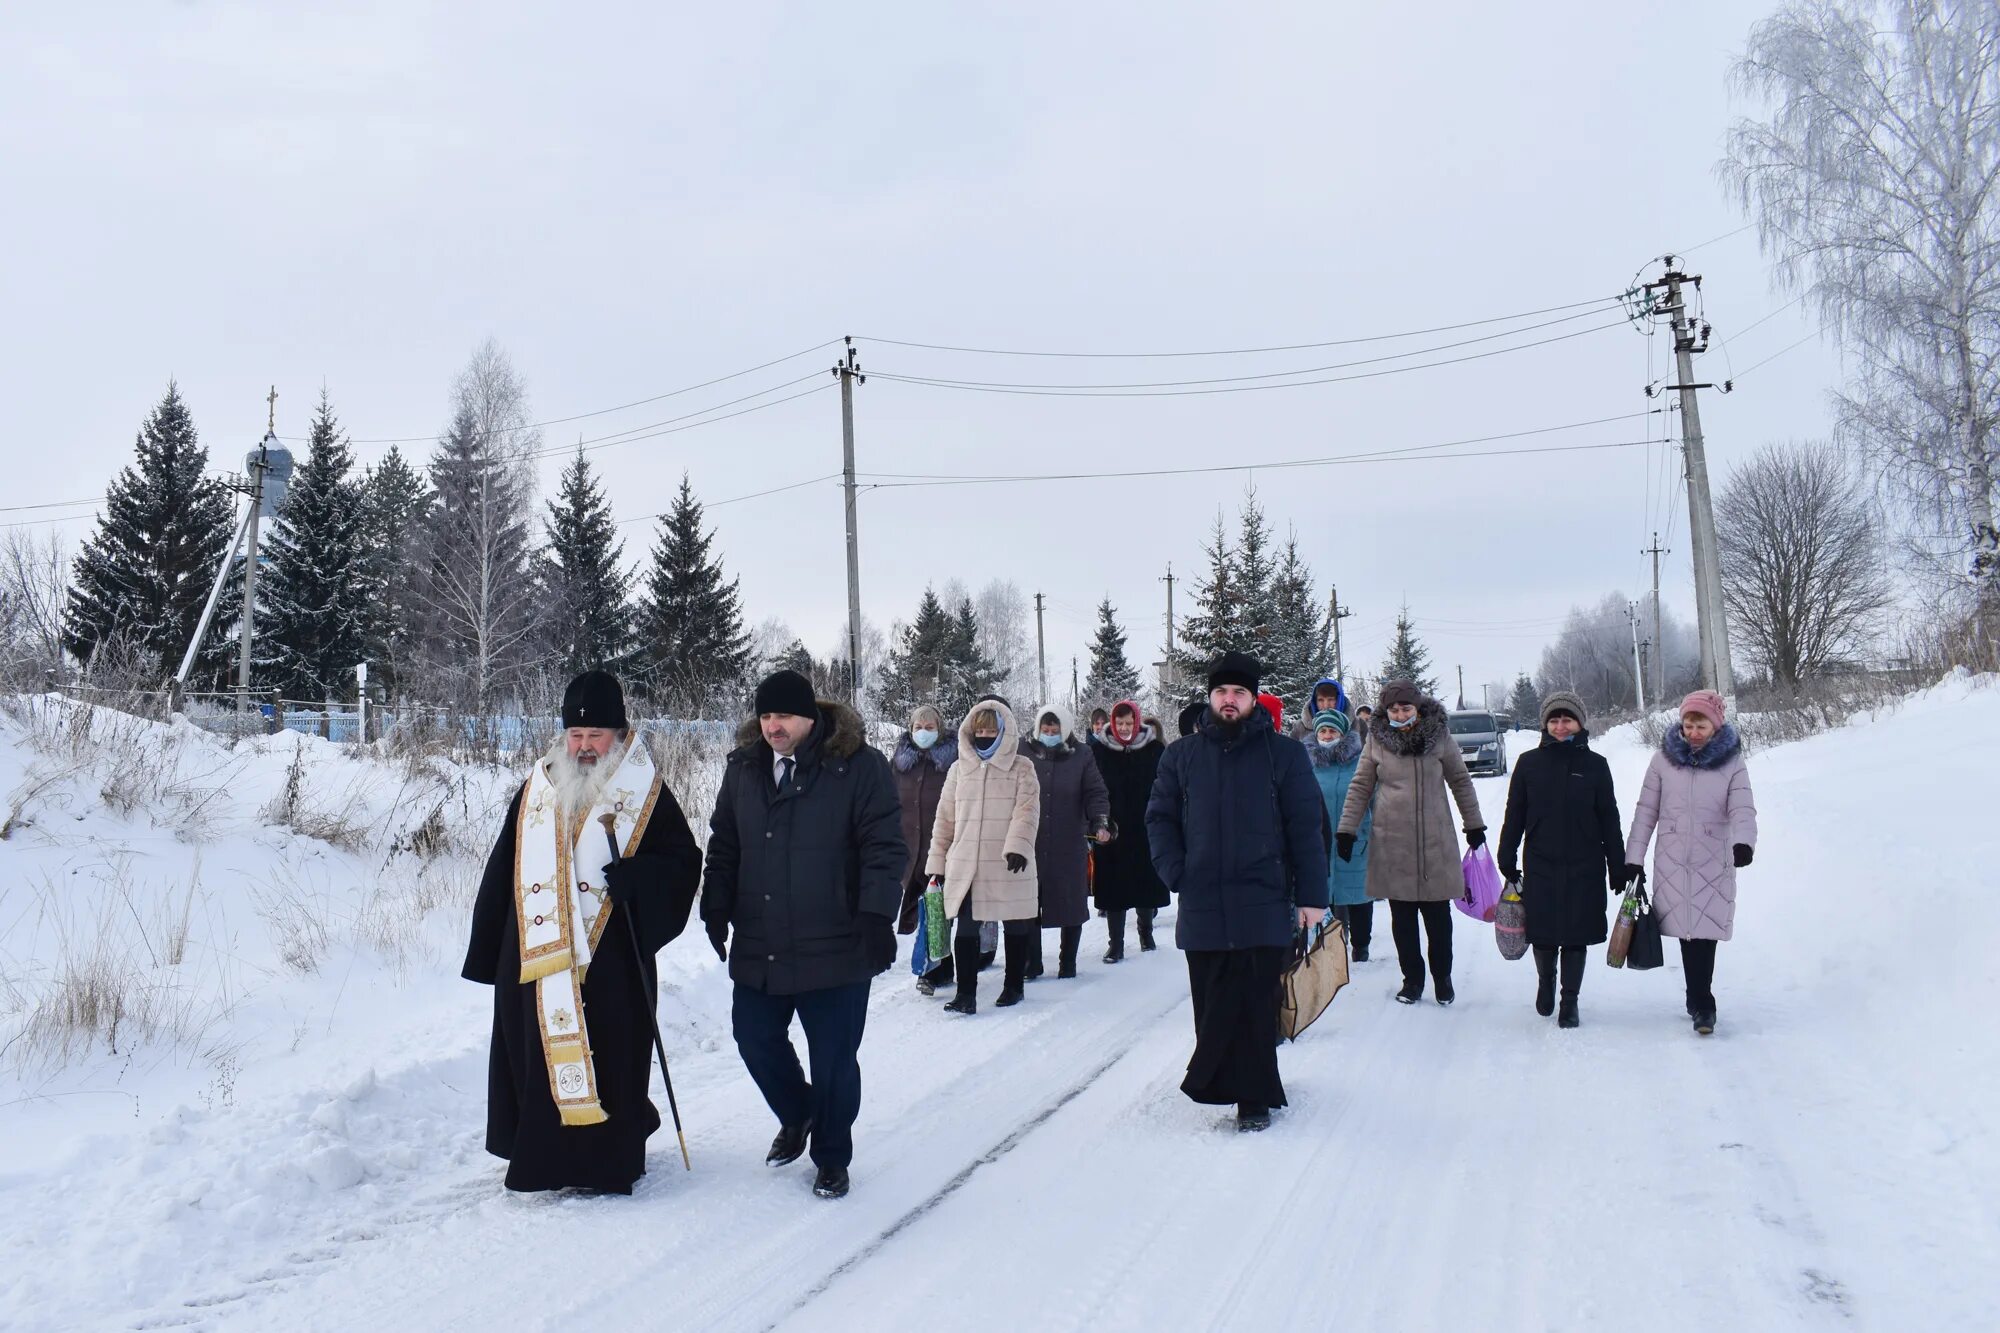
{"x":1034,"y":962}
{"x":1017,"y":964}
{"x":965,"y":963}
{"x":1545,"y":979}
{"x":1072,"y":938}
{"x":1572,"y":981}
{"x":1146,"y":944}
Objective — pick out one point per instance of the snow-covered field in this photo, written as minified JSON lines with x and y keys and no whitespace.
{"x":289,"y":1133}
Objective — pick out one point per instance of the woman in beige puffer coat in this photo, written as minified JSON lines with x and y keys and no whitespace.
{"x":983,"y":848}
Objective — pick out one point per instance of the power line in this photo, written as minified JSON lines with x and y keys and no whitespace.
{"x":1240,"y":351}
{"x":946,"y":477}
{"x":602,"y":411}
{"x":657,"y":429}
{"x":1790,"y":347}
{"x":739,"y":499}
{"x":1238,"y":384}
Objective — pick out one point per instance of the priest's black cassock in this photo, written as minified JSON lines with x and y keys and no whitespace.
{"x":522,"y":1124}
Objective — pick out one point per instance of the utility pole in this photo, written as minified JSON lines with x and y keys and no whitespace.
{"x":1334,"y":616}
{"x":1659,"y":640}
{"x":1638,"y":662}
{"x":1173,"y":681}
{"x":1075,"y":690}
{"x":258,"y":463}
{"x":1689,"y":338}
{"x":848,"y":371}
{"x":1041,"y":652}
{"x":1461,"y":685}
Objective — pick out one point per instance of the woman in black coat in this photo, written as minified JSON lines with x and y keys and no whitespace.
{"x":1561,"y":800}
{"x":1128,"y":755}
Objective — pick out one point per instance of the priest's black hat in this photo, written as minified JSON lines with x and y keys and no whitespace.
{"x":594,"y":699}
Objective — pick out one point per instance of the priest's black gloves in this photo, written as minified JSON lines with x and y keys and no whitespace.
{"x":1343,"y":846}
{"x":1475,"y":837}
{"x":1016,"y":863}
{"x":627,"y":879}
{"x":1744,"y":852}
{"x":718,"y":935}
{"x":878,"y":940}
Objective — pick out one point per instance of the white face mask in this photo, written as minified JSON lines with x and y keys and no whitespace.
{"x":924,"y":737}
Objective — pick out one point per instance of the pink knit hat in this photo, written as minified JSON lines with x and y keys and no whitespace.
{"x":1707,"y":703}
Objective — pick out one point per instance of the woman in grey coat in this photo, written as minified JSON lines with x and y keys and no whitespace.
{"x":1411,"y":769}
{"x":1076,"y":806}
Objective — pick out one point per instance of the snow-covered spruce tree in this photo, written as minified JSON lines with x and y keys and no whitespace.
{"x":394,"y":498}
{"x":476,"y":595}
{"x":1871,"y":177}
{"x":316,"y":594}
{"x":1408,"y":659}
{"x":971,"y":673}
{"x":922,"y":660}
{"x":1300,"y":648}
{"x":1111,"y":676}
{"x":141,"y":581}
{"x":694,"y":643}
{"x":1213,"y":627}
{"x":1526,"y":702}
{"x":1256,"y":578}
{"x":587,"y":593}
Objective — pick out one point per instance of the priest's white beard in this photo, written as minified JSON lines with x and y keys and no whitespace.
{"x":578,"y":785}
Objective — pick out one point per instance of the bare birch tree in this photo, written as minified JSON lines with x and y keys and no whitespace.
{"x":1872,"y":179}
{"x":34,"y":592}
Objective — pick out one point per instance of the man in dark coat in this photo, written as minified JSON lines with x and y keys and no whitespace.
{"x":561,"y":1110}
{"x":1235,"y":822}
{"x":1075,"y":807}
{"x":1561,"y":799}
{"x":1128,"y":755}
{"x":923,"y":755}
{"x":805,"y":863}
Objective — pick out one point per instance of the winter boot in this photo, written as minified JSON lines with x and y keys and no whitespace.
{"x":1572,"y":981}
{"x":1146,"y":944}
{"x":831,"y":1182}
{"x":965,"y":963}
{"x":1114,"y":935}
{"x":1545,"y":974}
{"x":1034,"y":961}
{"x":1445,"y":993}
{"x":1704,"y":1022}
{"x":1412,"y":991}
{"x":1252,"y":1118}
{"x":925,"y":986}
{"x":1072,"y":939}
{"x":1017,"y":965}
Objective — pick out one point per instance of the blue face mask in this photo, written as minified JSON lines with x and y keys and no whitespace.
{"x":925,"y":738}
{"x":1051,"y":741}
{"x":1408,"y":721}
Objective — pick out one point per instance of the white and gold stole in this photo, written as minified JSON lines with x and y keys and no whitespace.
{"x":562,"y":913}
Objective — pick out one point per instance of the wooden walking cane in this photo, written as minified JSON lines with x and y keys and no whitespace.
{"x":610,"y":823}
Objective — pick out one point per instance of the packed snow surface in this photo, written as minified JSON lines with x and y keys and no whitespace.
{"x":311,"y":1157}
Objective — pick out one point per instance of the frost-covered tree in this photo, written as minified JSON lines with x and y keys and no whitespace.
{"x":1408,"y":659}
{"x":586,"y":592}
{"x":936,"y":660}
{"x":316,"y":595}
{"x":1111,"y":676}
{"x":141,"y":581}
{"x":1212,"y":628}
{"x":1255,"y":578}
{"x":1525,"y":703}
{"x":1299,"y":650}
{"x":1873,"y":172}
{"x":695,"y":646}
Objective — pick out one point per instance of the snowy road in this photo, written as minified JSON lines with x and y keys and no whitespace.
{"x":1038,"y":1167}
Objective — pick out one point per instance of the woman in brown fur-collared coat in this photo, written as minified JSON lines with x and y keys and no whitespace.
{"x":983,"y":848}
{"x":1407,"y":767}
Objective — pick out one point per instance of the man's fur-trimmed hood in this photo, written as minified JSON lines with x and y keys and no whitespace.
{"x":1420,"y":737}
{"x":838,"y":734}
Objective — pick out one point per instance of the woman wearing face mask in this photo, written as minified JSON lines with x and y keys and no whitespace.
{"x":982,"y":848}
{"x":1408,"y":765}
{"x":1562,"y":801}
{"x":1335,"y":749}
{"x":922,"y":758}
{"x":1129,"y":758}
{"x":1697,"y":794}
{"x":1075,"y":807}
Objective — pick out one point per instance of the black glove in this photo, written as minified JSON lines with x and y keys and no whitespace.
{"x":1475,"y":837}
{"x":718,"y":935}
{"x":1343,"y":846}
{"x":1016,"y":863}
{"x":1744,"y":852}
{"x":878,"y":940}
{"x":626,"y":879}
{"x":1633,"y":872}
{"x":1512,"y":874}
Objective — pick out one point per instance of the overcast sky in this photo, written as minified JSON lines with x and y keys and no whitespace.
{"x":634,"y":199}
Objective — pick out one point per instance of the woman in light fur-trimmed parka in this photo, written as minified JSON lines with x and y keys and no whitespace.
{"x":983,"y":848}
{"x":1697,"y":795}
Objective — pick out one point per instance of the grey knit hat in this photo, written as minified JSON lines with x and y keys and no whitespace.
{"x":1562,"y":701}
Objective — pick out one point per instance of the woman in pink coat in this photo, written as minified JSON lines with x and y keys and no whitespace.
{"x":1697,"y":793}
